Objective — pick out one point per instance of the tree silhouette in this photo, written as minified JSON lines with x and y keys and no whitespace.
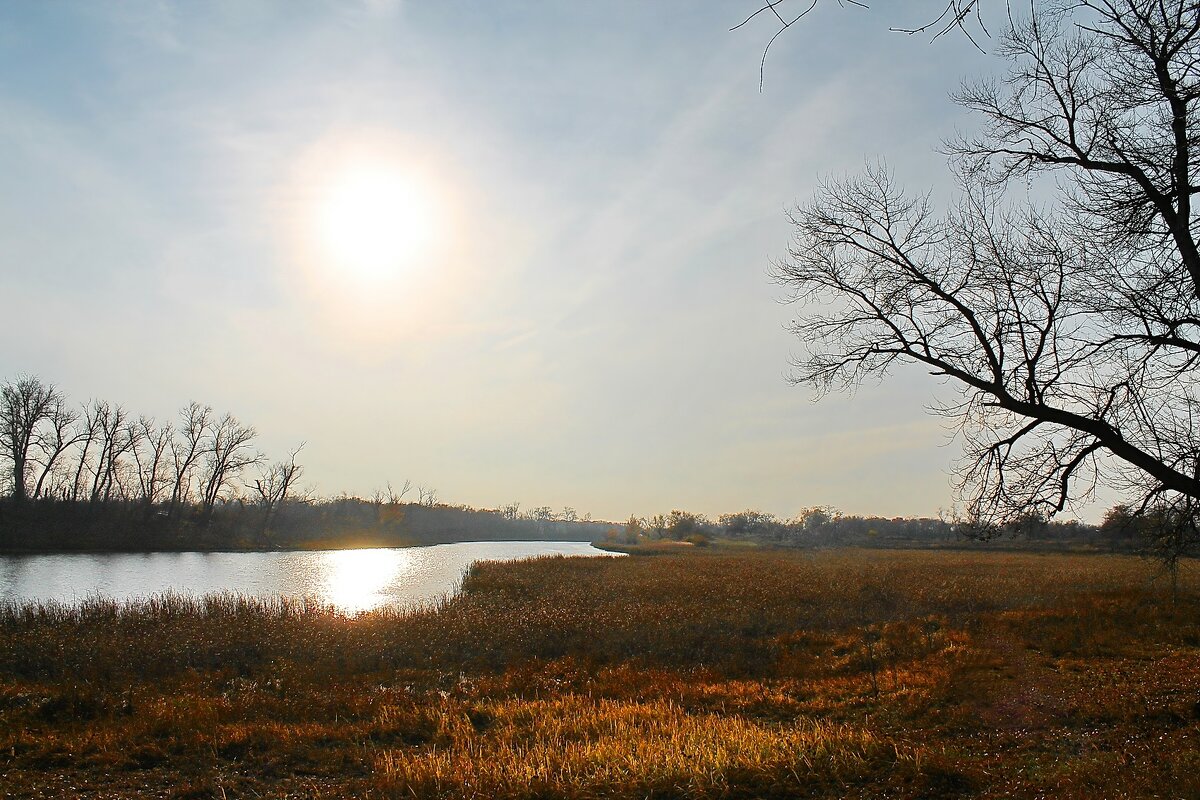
{"x":1071,"y":329}
{"x":27,"y":406}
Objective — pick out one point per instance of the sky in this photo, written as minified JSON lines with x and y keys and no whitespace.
{"x":515,"y":251}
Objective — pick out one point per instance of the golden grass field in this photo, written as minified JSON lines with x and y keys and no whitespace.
{"x":830,"y":674}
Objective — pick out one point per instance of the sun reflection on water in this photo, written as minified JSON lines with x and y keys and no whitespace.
{"x":357,"y":580}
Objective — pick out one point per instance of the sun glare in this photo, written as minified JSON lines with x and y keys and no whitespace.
{"x":357,"y":580}
{"x":370,"y":222}
{"x":374,"y":221}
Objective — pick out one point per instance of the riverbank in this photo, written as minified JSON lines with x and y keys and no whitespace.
{"x":696,"y":674}
{"x":58,"y":526}
{"x":658,"y":547}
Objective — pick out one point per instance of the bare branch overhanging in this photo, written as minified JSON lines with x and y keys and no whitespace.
{"x":1072,"y":333}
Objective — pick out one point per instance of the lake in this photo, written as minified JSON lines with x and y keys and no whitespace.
{"x":352,"y":580}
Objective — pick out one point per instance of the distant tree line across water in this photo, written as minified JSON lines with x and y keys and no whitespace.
{"x":95,"y":476}
{"x":823,"y":526}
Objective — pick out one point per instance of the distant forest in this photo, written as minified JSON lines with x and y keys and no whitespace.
{"x":1121,"y":531}
{"x":96,"y":477}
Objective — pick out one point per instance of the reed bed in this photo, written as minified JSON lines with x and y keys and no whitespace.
{"x":697,"y":674}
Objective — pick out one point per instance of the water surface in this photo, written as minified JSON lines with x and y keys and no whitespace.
{"x":352,"y":580}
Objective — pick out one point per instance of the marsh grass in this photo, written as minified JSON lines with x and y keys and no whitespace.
{"x":695,"y":674}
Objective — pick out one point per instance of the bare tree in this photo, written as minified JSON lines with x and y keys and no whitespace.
{"x":25,"y":404}
{"x":229,"y":451}
{"x":395,"y":497}
{"x":115,"y":438}
{"x":150,"y":455}
{"x":58,"y":437}
{"x":272,"y":488}
{"x":1071,"y":332}
{"x":85,"y":438}
{"x":187,"y":449}
{"x":961,"y":16}
{"x":543,"y":515}
{"x":427,"y":496}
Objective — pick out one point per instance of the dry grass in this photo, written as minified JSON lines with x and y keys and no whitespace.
{"x":697,"y":674}
{"x":581,"y":746}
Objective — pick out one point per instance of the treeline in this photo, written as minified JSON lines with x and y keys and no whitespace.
{"x":826,"y":527}
{"x":99,"y":452}
{"x":49,"y":525}
{"x":95,"y":476}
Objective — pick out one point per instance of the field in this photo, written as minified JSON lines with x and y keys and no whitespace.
{"x":684,"y":675}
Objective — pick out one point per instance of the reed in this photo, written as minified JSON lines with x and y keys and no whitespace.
{"x":694,"y":674}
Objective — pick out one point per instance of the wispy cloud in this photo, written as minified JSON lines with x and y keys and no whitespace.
{"x":598,"y":331}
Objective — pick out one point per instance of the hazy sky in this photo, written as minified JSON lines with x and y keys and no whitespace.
{"x":580,"y":201}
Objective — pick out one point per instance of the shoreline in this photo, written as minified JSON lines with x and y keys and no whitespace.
{"x":319,"y":547}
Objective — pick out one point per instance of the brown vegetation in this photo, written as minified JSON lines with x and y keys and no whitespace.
{"x":698,"y":673}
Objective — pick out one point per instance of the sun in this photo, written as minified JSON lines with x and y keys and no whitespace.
{"x":370,"y":226}
{"x":373,"y":221}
